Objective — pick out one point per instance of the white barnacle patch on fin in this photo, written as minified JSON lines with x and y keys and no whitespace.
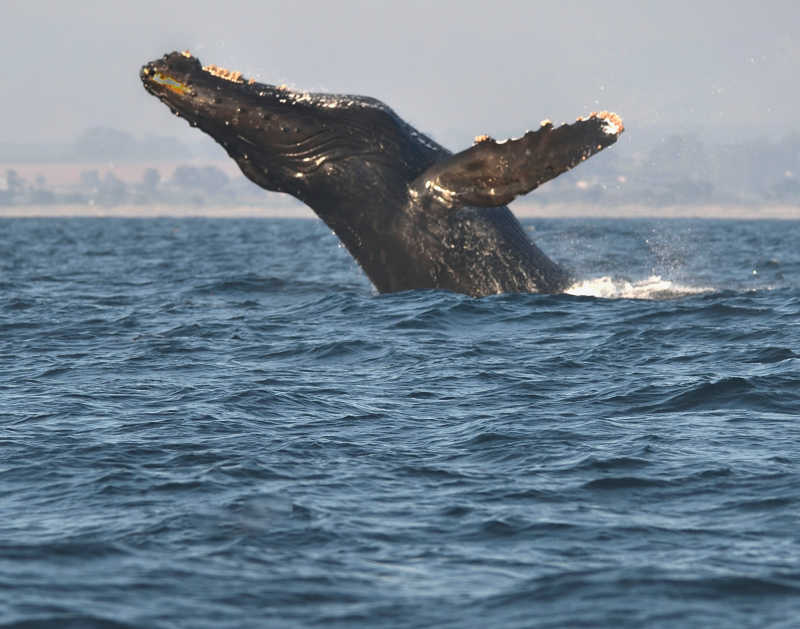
{"x":187,"y":54}
{"x":612,"y":123}
{"x":302,"y":97}
{"x":446,"y":195}
{"x":546,"y":123}
{"x":483,"y":138}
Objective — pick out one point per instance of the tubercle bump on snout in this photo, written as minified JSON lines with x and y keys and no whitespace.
{"x":228,"y":75}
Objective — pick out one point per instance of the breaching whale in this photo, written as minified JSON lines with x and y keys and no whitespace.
{"x":410,"y":212}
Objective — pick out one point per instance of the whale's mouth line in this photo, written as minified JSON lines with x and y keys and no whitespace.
{"x":170,"y":83}
{"x":159,"y":75}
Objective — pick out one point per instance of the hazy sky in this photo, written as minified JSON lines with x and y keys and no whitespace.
{"x":454,"y":69}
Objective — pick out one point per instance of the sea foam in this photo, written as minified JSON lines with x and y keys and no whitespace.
{"x":653,"y":287}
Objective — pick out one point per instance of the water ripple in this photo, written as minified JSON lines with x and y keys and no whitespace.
{"x":220,"y":424}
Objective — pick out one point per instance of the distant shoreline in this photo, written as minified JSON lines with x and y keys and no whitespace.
{"x":522,"y":210}
{"x":152,"y":211}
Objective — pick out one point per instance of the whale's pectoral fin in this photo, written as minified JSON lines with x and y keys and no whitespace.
{"x":493,"y":173}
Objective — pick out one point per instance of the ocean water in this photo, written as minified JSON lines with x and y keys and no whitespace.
{"x":218,"y":423}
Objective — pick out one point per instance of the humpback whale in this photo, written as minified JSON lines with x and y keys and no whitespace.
{"x":411,"y":213}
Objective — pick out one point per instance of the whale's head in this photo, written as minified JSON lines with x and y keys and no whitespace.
{"x":288,"y":140}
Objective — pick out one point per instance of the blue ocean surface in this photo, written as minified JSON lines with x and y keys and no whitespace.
{"x":219,"y":424}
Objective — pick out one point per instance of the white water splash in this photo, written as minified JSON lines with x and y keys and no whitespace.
{"x":653,"y":287}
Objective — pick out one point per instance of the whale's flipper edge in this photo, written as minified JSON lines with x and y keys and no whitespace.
{"x":492,"y":173}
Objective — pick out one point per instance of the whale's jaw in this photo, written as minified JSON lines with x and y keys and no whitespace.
{"x":283,"y":139}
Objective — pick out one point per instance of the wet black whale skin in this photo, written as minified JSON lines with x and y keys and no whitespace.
{"x":411,"y":213}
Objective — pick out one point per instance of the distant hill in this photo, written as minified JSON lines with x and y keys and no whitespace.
{"x":648,"y":169}
{"x":104,"y":144}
